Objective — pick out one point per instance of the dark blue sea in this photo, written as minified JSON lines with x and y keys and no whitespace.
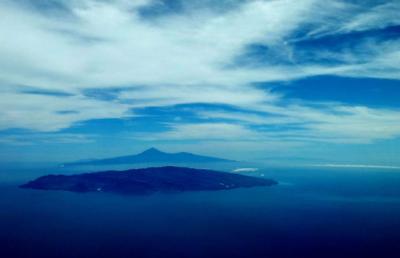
{"x":311,"y":213}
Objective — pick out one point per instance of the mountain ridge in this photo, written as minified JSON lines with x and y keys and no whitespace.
{"x":151,"y":155}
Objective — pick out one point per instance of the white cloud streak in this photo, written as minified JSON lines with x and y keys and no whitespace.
{"x":46,"y":138}
{"x":205,"y":131}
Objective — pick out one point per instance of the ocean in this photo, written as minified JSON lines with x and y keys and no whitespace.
{"x":311,"y":213}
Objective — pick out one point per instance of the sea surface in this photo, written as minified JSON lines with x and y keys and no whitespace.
{"x":311,"y":213}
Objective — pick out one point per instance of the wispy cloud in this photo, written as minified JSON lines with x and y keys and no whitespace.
{"x":205,"y":131}
{"x":328,"y":123}
{"x":377,"y":17}
{"x":190,"y":56}
{"x":46,"y":138}
{"x":51,"y":113}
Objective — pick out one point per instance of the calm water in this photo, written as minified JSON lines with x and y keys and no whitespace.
{"x":329,"y":213}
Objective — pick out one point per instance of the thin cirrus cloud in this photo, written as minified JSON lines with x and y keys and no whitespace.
{"x":330,"y":123}
{"x":172,"y":57}
{"x":46,"y":138}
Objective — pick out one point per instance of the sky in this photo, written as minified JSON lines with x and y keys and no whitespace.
{"x":306,"y":81}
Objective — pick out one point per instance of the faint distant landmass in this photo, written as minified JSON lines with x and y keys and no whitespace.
{"x":151,"y":155}
{"x":148,"y":180}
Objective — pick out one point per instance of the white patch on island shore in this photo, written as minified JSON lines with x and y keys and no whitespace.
{"x":238,"y":170}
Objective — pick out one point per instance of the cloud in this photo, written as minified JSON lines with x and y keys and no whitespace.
{"x":330,"y":122}
{"x":45,"y":138}
{"x":48,"y":113}
{"x":190,"y":56}
{"x":380,"y":16}
{"x":341,"y":17}
{"x":124,"y":53}
{"x":53,"y":53}
{"x":204,"y":131}
{"x":250,"y":118}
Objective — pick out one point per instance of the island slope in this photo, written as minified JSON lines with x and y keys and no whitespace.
{"x":148,"y":180}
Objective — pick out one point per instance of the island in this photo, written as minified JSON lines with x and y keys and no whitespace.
{"x":148,"y":180}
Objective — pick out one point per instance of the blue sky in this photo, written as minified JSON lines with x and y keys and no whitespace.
{"x":283,"y":81}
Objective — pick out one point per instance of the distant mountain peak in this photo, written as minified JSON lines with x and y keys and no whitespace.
{"x":153,"y":155}
{"x":152,"y":150}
